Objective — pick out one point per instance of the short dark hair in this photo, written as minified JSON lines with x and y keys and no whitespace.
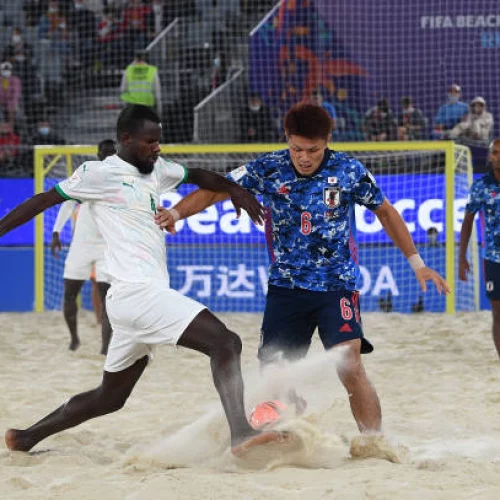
{"x":309,"y":121}
{"x":106,"y":142}
{"x":132,"y":119}
{"x":383,"y":103}
{"x":406,"y":100}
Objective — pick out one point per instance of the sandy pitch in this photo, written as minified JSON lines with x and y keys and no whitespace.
{"x":438,"y":378}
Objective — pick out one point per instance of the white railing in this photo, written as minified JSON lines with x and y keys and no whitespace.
{"x":217,"y":117}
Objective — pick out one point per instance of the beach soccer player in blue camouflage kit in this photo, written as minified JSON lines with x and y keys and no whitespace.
{"x":484,"y":196}
{"x":309,"y":193}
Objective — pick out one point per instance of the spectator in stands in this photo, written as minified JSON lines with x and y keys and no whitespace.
{"x":9,"y":146}
{"x":33,"y":10}
{"x":476,"y":125}
{"x":378,"y":122}
{"x":83,"y":22}
{"x":22,"y":67}
{"x":52,"y":24}
{"x":109,"y":42}
{"x":141,"y":83}
{"x":411,"y":121}
{"x":257,"y":122}
{"x":53,"y":36}
{"x":158,"y":18}
{"x":134,"y":26}
{"x":317,"y":98}
{"x":450,"y":113}
{"x":44,"y":135}
{"x":10,"y":94}
{"x":17,"y":45}
{"x":219,"y":69}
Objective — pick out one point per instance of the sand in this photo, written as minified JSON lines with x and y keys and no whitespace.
{"x":438,"y":379}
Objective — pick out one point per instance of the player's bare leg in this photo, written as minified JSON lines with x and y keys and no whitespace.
{"x":106,"y":331}
{"x":70,"y":310}
{"x":96,"y":301}
{"x":495,"y":310}
{"x":365,"y":405}
{"x":110,"y":396}
{"x":209,"y":335}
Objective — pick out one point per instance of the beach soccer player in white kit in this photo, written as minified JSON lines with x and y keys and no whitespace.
{"x":85,"y":255}
{"x":124,"y":192}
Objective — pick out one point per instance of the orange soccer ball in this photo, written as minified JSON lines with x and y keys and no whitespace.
{"x":267,"y":413}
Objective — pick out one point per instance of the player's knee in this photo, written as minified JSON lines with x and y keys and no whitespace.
{"x":351,"y":373}
{"x":70,"y":297}
{"x":113,"y":401}
{"x":228,"y":344}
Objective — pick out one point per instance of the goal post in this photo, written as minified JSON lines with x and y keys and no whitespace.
{"x":223,"y":262}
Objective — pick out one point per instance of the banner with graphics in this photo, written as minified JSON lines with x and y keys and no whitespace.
{"x":414,"y":196}
{"x":360,"y":51}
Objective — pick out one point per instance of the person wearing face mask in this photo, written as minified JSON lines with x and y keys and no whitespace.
{"x":411,"y":121}
{"x":10,"y":93}
{"x":477,"y":125}
{"x":257,"y":122}
{"x":378,"y":122}
{"x":450,"y":113}
{"x":44,"y":135}
{"x":17,"y":47}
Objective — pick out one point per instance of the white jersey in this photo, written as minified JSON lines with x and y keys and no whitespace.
{"x":123,"y":203}
{"x":86,"y":232}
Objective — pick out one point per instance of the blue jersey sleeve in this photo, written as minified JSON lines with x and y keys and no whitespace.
{"x":365,"y":190}
{"x":474,"y":201}
{"x":249,"y":176}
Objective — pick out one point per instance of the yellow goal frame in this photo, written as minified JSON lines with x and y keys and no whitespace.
{"x":449,"y":148}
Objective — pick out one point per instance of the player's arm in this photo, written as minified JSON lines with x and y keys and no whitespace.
{"x":465,"y":234}
{"x":193,"y":203}
{"x":396,"y":229}
{"x":29,"y":209}
{"x":240,"y":197}
{"x":65,"y":212}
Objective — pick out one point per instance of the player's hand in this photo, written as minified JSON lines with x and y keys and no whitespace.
{"x":425,"y":274}
{"x":165,"y":219}
{"x":463,"y":269}
{"x":55,"y":244}
{"x":242,"y":199}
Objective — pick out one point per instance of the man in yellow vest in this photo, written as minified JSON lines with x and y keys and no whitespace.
{"x":141,"y":84}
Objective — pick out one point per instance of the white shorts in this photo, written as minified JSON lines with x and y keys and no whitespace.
{"x":79,"y":262}
{"x":143,"y":315}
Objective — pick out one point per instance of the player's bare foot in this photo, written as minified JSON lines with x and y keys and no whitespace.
{"x":74,"y":344}
{"x":259,"y":440}
{"x":17,"y":440}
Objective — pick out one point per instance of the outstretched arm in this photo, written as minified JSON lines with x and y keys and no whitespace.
{"x":191,"y":204}
{"x":465,"y":233}
{"x":29,"y":209}
{"x":396,"y":229}
{"x":240,"y":197}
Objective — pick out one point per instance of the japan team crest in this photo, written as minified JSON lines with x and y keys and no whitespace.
{"x":331,"y":197}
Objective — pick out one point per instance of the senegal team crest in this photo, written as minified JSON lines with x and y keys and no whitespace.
{"x":331,"y":197}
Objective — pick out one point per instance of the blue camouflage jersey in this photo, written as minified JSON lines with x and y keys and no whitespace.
{"x":310,"y":223}
{"x":485,"y":195}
